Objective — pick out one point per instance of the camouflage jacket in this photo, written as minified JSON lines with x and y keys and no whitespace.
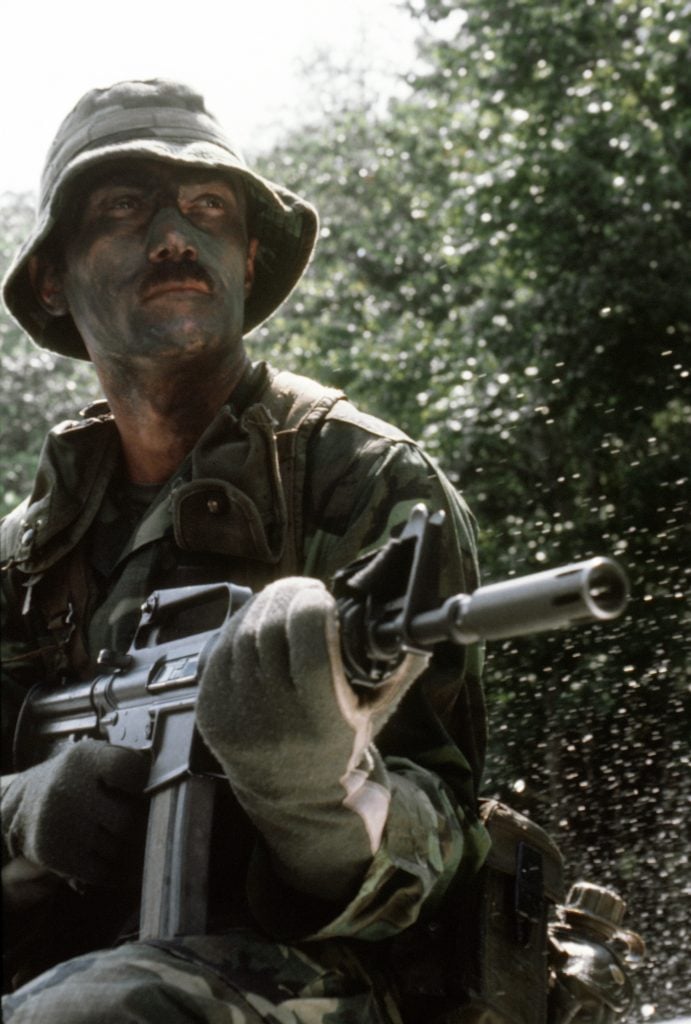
{"x":290,"y":478}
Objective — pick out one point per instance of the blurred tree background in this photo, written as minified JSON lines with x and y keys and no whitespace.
{"x":504,"y":271}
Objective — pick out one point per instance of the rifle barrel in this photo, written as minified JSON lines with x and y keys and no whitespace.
{"x":589,"y":591}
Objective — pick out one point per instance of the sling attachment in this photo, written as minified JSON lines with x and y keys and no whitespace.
{"x":58,"y":622}
{"x":29,"y":593}
{"x":55,"y":600}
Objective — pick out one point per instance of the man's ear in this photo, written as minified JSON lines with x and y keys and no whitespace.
{"x":249,"y":266}
{"x":47,"y":284}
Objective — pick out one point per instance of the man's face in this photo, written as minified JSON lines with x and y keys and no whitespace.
{"x":156,"y":260}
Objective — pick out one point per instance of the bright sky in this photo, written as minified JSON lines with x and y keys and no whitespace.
{"x":245,"y":58}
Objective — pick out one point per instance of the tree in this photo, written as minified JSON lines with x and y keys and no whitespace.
{"x":38,"y":389}
{"x":504,"y":272}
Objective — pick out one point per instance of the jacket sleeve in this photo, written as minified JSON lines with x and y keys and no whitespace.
{"x":363,"y":479}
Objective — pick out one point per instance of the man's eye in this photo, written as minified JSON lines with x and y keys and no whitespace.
{"x":123,"y":204}
{"x":209,"y":201}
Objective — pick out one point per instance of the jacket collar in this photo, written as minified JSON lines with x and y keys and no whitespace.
{"x":226,"y":498}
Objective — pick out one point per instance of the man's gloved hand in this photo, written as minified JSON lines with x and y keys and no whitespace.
{"x":80,"y":814}
{"x":294,"y":738}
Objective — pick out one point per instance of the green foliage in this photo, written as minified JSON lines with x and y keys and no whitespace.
{"x":37,"y":389}
{"x":504,"y":272}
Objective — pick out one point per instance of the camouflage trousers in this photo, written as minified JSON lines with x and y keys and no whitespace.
{"x":237,"y":978}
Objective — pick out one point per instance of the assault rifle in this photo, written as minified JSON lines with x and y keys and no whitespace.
{"x":388,"y":605}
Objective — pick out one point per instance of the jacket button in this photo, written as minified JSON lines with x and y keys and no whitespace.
{"x":213,"y":506}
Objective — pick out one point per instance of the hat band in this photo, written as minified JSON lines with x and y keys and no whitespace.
{"x":152,"y":123}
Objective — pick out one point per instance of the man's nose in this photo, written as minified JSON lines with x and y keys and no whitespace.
{"x":170,"y":237}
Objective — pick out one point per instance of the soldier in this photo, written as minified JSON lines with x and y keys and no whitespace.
{"x":155,"y":253}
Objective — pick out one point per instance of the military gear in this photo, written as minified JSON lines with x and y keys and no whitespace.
{"x":289,"y":479}
{"x":77,"y":814}
{"x":315,"y":483}
{"x":165,"y":121}
{"x":294,"y":739}
{"x":501,"y":954}
{"x":591,"y":957}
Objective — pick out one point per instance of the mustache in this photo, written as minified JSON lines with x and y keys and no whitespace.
{"x":170,"y":271}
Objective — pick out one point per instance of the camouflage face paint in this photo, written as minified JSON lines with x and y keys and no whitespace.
{"x":156,"y":261}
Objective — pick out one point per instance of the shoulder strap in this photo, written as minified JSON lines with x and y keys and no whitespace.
{"x":298,"y":405}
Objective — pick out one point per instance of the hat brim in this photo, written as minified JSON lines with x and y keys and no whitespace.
{"x":285,"y":225}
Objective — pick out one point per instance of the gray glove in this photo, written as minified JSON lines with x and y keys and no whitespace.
{"x":80,"y":814}
{"x":295,"y":740}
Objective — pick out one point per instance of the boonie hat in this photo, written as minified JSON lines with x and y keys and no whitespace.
{"x":168,"y":121}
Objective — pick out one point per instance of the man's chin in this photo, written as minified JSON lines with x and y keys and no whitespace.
{"x":176,"y":346}
{"x":180,"y":337}
{"x":175,"y":322}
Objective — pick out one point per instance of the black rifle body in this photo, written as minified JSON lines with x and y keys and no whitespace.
{"x":145,"y":699}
